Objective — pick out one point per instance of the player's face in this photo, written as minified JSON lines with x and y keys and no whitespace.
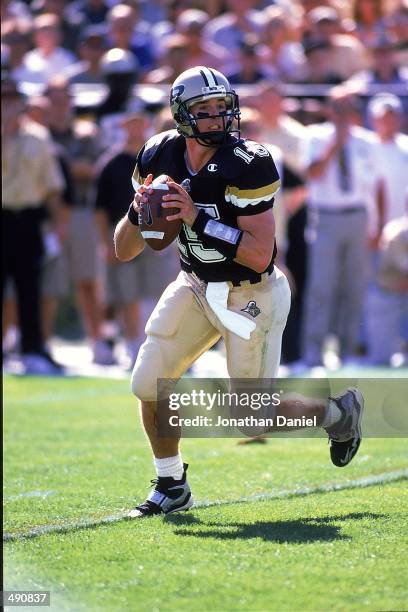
{"x":208,"y":112}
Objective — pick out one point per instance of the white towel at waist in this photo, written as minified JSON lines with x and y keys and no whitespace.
{"x":217,"y":298}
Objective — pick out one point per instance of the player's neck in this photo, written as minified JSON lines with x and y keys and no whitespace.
{"x":198,"y":155}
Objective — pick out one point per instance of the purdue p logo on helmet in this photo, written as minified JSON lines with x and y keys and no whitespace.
{"x":196,"y":85}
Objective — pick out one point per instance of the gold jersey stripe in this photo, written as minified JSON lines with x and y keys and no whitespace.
{"x":136,"y":176}
{"x":260,"y":193}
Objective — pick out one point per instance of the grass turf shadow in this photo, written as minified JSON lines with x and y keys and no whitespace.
{"x":298,"y":531}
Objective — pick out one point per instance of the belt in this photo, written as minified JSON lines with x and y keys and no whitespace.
{"x":238,"y":283}
{"x":247,"y":283}
{"x":346,"y":210}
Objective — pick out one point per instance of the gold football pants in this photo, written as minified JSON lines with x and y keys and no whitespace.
{"x":183,"y":326}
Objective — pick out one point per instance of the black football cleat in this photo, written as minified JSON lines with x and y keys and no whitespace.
{"x":169,"y":495}
{"x":345,"y":436}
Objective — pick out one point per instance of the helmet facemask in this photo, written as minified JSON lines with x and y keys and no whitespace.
{"x":188,"y":124}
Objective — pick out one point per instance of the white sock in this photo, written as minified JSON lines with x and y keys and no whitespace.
{"x":333,"y":414}
{"x":169,"y":466}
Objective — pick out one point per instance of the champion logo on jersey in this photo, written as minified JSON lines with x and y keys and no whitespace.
{"x":212,"y":167}
{"x":252,"y":309}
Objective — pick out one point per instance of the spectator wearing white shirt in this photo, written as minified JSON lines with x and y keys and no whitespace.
{"x":282,"y":58}
{"x":229,"y":29}
{"x":391,"y":160}
{"x":47,"y":59}
{"x":387,"y":299}
{"x":338,"y":158}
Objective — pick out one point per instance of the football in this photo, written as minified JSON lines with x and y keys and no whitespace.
{"x":155,"y":229}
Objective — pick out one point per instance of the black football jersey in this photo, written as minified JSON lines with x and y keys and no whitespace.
{"x":240,"y":179}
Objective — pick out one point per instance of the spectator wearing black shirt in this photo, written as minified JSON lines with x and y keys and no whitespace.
{"x":128,"y":284}
{"x":250,"y":70}
{"x":79,"y":139}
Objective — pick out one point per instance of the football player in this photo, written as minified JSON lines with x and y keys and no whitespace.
{"x":228,"y":285}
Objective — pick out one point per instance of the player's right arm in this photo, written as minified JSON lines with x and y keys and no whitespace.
{"x":127,"y":238}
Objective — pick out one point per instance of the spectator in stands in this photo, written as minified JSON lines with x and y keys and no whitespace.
{"x":14,"y":9}
{"x":368,"y":16}
{"x":70,"y":26}
{"x":345,"y":53}
{"x":385,"y":69}
{"x":91,"y":49}
{"x":52,"y":281}
{"x":228,"y":29}
{"x":279,"y":127}
{"x":163,"y":121}
{"x":391,"y":159}
{"x":131,"y":283}
{"x":16,"y":34}
{"x":124,"y":285}
{"x":190,"y":24}
{"x":387,"y":304}
{"x":53,"y":275}
{"x":122,"y":34}
{"x":88,"y":12}
{"x":31,"y":181}
{"x":289,"y":135}
{"x":396,"y":25}
{"x":319,"y":67}
{"x":48,"y":58}
{"x":391,"y":202}
{"x":80,"y":142}
{"x":173,"y":61}
{"x":121,"y":71}
{"x":338,"y":158}
{"x":282,"y":58}
{"x":250,"y":67}
{"x":385,"y":72}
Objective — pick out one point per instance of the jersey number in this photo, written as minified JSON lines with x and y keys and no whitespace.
{"x":195,"y":246}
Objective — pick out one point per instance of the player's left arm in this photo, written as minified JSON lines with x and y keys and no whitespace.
{"x":256,"y":245}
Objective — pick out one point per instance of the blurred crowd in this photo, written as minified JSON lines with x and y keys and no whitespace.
{"x":322,"y":82}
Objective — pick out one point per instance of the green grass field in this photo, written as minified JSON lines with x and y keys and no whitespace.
{"x":75,"y":459}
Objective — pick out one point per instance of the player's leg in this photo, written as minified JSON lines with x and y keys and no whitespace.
{"x":178,"y":332}
{"x":258,"y":358}
{"x":269,"y":307}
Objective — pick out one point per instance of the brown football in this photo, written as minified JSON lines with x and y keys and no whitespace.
{"x":155,"y":229}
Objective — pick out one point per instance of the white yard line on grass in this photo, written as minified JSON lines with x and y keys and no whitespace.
{"x":366,"y":481}
{"x":41,"y":494}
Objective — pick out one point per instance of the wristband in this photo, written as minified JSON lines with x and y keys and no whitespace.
{"x":132,"y":215}
{"x":217,"y":235}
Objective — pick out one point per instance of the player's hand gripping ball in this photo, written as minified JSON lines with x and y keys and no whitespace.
{"x":154,"y":227}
